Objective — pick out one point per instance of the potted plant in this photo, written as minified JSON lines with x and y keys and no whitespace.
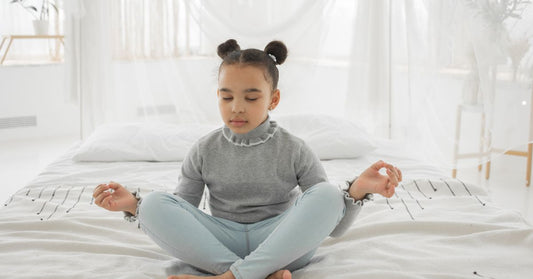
{"x":41,"y":16}
{"x":491,"y":15}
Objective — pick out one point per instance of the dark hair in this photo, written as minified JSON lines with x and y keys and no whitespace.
{"x":275,"y":53}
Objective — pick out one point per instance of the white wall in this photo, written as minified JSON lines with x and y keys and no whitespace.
{"x":37,"y":90}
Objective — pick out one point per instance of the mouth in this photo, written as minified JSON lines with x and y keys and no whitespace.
{"x":237,"y":122}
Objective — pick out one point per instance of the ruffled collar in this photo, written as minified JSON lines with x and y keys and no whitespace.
{"x":259,"y":135}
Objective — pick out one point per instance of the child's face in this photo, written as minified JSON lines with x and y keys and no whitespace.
{"x":244,"y":97}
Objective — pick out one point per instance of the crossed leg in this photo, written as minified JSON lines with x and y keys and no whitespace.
{"x":280,"y":274}
{"x":202,"y":240}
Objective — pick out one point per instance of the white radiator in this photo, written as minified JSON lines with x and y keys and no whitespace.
{"x":15,"y":122}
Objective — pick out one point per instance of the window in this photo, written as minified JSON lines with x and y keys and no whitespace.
{"x":152,"y":29}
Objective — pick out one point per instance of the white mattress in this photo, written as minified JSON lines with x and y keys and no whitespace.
{"x":434,"y":227}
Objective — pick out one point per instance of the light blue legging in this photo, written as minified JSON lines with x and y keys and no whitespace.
{"x":216,"y":245}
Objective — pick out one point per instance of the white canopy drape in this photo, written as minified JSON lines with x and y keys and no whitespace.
{"x":402,"y":69}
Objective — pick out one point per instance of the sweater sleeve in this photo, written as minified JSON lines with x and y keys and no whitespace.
{"x":352,"y":209}
{"x":191,"y":184}
{"x":309,"y":170}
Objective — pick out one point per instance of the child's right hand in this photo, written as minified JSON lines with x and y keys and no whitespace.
{"x":115,"y":197}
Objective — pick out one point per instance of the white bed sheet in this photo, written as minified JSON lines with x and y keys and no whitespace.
{"x":434,"y":227}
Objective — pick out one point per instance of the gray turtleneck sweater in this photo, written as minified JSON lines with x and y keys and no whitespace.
{"x":253,"y":176}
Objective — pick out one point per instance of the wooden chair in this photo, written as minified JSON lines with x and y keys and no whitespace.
{"x":486,"y":153}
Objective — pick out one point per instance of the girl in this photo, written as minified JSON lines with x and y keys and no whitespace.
{"x":262,"y":225}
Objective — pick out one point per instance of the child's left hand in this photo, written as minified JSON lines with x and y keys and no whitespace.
{"x":371,"y":181}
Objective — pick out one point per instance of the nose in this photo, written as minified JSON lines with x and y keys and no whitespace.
{"x":237,"y":106}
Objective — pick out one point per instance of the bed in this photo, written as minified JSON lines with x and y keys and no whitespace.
{"x":433,"y":227}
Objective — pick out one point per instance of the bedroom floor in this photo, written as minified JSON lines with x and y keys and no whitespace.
{"x":20,"y":161}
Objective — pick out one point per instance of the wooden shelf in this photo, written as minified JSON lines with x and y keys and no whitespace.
{"x":10,"y":38}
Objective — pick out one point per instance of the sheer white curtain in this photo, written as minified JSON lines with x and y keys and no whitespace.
{"x":182,"y":87}
{"x":369,"y":83}
{"x":448,"y":54}
{"x":400,"y":68}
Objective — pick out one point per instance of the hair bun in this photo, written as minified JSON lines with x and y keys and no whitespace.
{"x":278,"y":50}
{"x":227,"y":47}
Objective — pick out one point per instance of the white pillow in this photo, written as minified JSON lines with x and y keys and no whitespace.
{"x":145,"y":141}
{"x":329,"y":137}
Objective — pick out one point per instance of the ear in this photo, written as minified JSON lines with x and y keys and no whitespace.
{"x":274,"y":100}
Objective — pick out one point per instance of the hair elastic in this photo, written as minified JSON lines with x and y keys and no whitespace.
{"x":273,"y":57}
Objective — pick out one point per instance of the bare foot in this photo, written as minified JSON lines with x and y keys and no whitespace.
{"x":227,"y":275}
{"x":280,"y":274}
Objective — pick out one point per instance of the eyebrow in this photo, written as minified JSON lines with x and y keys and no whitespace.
{"x":248,"y":90}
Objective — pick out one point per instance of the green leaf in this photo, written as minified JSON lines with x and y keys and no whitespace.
{"x":55,"y":8}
